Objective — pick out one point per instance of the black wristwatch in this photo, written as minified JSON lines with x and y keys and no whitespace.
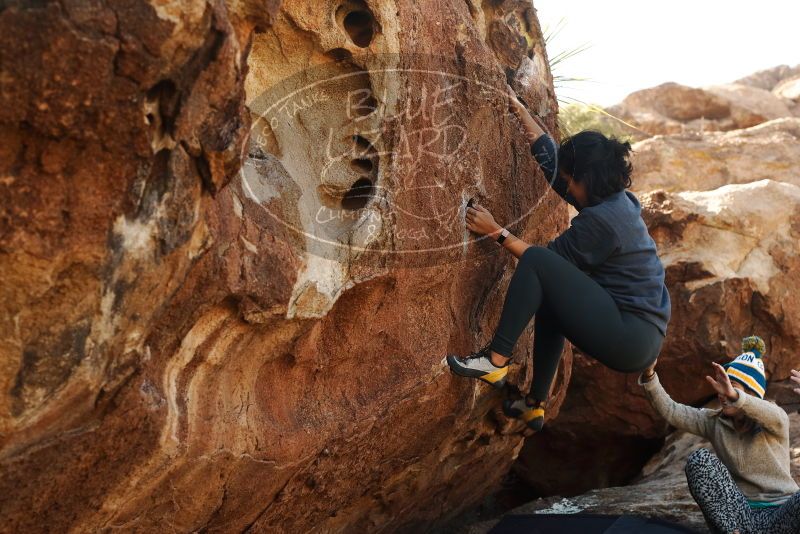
{"x":502,"y":237}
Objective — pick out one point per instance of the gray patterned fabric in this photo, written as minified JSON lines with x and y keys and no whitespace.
{"x":724,"y":506}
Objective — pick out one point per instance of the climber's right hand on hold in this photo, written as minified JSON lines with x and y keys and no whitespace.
{"x":480,"y":221}
{"x":533,"y":129}
{"x":514,"y":105}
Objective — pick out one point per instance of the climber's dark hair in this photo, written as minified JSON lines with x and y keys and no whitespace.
{"x":598,"y":161}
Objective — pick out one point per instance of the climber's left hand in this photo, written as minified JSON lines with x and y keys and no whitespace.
{"x":480,"y":221}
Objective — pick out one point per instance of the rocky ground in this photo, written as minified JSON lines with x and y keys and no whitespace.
{"x":659,"y":491}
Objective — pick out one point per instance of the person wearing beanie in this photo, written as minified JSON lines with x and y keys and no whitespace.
{"x":747,"y":486}
{"x":748,"y":368}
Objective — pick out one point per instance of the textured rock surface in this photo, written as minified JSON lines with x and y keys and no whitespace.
{"x":789,"y":89}
{"x":672,"y":108}
{"x":731,"y":260}
{"x":660,"y":490}
{"x":175,"y":354}
{"x":701,"y":162}
{"x":732,"y":269}
{"x":783,"y":80}
{"x":751,"y":105}
{"x":770,"y":78}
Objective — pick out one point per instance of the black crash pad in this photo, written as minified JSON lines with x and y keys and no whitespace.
{"x":584,"y":524}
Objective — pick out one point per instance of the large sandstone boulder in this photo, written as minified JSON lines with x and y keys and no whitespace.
{"x":204,"y":327}
{"x":672,"y":108}
{"x":669,"y":108}
{"x":731,"y":261}
{"x":783,"y":81}
{"x":659,"y":491}
{"x":701,"y":162}
{"x":678,"y":102}
{"x":732,"y":269}
{"x":770,"y":78}
{"x":751,"y":105}
{"x":789,"y":89}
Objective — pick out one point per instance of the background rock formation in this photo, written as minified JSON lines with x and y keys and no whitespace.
{"x":694,"y":162}
{"x":671,"y":108}
{"x":174,"y":353}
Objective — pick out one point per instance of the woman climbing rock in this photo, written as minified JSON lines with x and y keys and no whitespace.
{"x":747,"y":486}
{"x":600,"y":284}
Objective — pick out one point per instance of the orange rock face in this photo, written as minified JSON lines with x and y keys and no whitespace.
{"x":234,"y":256}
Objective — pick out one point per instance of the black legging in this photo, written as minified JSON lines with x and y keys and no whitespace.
{"x":567,"y":302}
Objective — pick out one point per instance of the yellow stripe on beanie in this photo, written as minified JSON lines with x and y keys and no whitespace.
{"x":747,"y":380}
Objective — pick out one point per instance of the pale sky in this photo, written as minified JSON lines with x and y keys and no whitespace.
{"x":642,"y":43}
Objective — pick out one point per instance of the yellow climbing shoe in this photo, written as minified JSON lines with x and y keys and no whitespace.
{"x":533,"y":416}
{"x":479,"y":365}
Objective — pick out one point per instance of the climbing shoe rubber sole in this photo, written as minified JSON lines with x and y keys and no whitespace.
{"x":496,"y":378}
{"x":533,"y":417}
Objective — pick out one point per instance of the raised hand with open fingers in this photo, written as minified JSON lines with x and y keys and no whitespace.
{"x":721,"y":383}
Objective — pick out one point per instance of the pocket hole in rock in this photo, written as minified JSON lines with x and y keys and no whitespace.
{"x":358,"y":22}
{"x":365,"y":157}
{"x":358,"y":195}
{"x":363,"y":148}
{"x":361,"y":101}
{"x":361,"y":165}
{"x":164,"y":100}
{"x":366,"y":106}
{"x":358,"y":26}
{"x":339,"y":54}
